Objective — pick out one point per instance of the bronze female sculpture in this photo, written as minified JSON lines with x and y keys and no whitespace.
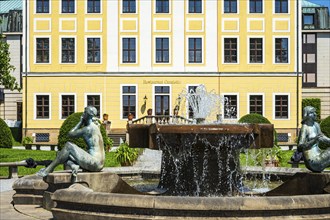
{"x":74,"y":156}
{"x":310,"y":136}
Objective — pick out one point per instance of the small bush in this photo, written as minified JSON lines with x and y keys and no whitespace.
{"x":6,"y":138}
{"x":126,"y":155}
{"x":27,"y":140}
{"x":325,"y":128}
{"x":254,"y":119}
{"x":67,"y":125}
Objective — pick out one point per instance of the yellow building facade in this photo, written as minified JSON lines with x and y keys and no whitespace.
{"x":127,"y":56}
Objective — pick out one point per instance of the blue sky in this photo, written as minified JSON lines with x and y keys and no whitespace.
{"x":325,"y":3}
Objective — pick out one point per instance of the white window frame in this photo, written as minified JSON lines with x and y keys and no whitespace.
{"x":35,"y":49}
{"x":223,"y":7}
{"x":75,"y":49}
{"x":136,"y":100}
{"x":169,"y":8}
{"x":203,"y":49}
{"x":281,"y":13}
{"x":237,"y":110}
{"x":154,"y":100}
{"x":274,"y":105}
{"x":136,"y":49}
{"x":60,"y":104}
{"x":60,"y":9}
{"x":86,"y":48}
{"x":35,"y":7}
{"x":136,"y":8}
{"x":101,"y":102}
{"x":223,"y":49}
{"x":263,"y":102}
{"x":35,"y":107}
{"x":169,"y":49}
{"x":202,"y":5}
{"x":263,"y":8}
{"x":86,"y":8}
{"x":274,"y":47}
{"x":263,"y":49}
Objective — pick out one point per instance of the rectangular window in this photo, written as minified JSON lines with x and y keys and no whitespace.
{"x":162,"y":50}
{"x":42,"y":50}
{"x":230,"y":50}
{"x":129,"y":101}
{"x":93,"y":50}
{"x":281,"y":106}
{"x":19,"y":109}
{"x":230,"y":6}
{"x":191,"y":89}
{"x":195,"y":50}
{"x":256,"y":6}
{"x":281,"y":50}
{"x":162,"y":6}
{"x":68,"y":6}
{"x":93,"y":6}
{"x":195,"y":6}
{"x":68,"y":50}
{"x":129,"y":50}
{"x":129,"y":6}
{"x":230,"y":107}
{"x":68,"y":105}
{"x":43,"y":106}
{"x":162,"y":100}
{"x":42,"y":6}
{"x":309,"y":79}
{"x":256,"y":104}
{"x":281,"y":6}
{"x":95,"y":100}
{"x":308,"y":19}
{"x":256,"y":50}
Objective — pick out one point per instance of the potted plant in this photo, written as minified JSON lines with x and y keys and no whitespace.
{"x":126,"y":155}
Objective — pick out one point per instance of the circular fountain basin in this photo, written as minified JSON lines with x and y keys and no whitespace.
{"x":304,"y":196}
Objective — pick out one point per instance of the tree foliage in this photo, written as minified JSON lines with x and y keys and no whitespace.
{"x":6,"y":79}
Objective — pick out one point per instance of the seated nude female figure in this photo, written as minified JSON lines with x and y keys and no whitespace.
{"x":74,"y":156}
{"x":310,"y":136}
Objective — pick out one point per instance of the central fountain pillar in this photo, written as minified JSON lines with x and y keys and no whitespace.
{"x":201,"y":160}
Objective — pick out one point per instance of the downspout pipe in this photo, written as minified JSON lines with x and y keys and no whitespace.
{"x":25,"y":68}
{"x":298,"y":63}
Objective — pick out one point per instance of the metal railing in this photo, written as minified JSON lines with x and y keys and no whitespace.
{"x":162,"y":119}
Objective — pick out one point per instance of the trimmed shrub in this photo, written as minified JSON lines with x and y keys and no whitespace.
{"x":257,"y":119}
{"x":314,"y":102}
{"x":6,"y":138}
{"x":275,"y":153}
{"x":325,"y":128}
{"x":67,"y":125}
{"x":254,"y":119}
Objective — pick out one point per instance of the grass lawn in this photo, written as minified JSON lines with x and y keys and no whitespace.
{"x":14,"y":155}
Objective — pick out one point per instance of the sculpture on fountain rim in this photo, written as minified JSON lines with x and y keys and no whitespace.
{"x":310,"y":136}
{"x":74,"y":156}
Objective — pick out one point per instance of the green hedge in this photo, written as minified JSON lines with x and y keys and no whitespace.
{"x":325,"y":128}
{"x":257,"y":119}
{"x":314,"y":102}
{"x":67,"y":125}
{"x":6,"y":138}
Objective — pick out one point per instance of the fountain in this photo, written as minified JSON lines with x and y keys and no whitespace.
{"x":200,"y":175}
{"x":201,"y":159}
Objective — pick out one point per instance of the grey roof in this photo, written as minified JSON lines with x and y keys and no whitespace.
{"x":7,"y":5}
{"x":305,"y":3}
